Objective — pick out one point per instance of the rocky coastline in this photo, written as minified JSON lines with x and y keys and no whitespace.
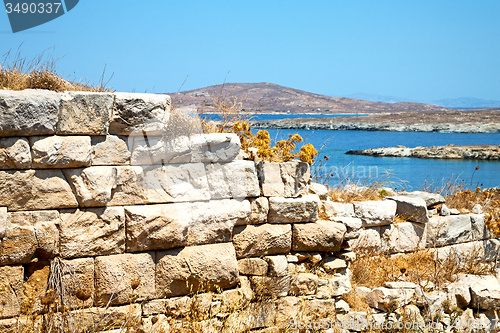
{"x":454,"y":122}
{"x":478,"y":152}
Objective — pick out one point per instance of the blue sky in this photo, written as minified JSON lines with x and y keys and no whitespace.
{"x":421,"y":50}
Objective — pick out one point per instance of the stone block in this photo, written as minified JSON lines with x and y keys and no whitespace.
{"x":15,"y":153}
{"x":382,"y":298}
{"x":293,"y":210}
{"x":213,"y":221}
{"x":30,"y":234}
{"x":274,"y":286}
{"x":80,"y":282}
{"x":252,"y":266}
{"x":339,"y":285}
{"x":431,"y":199}
{"x":60,"y":151}
{"x":195,"y":268}
{"x":277,"y":265}
{"x":375,"y":213}
{"x":258,"y":315}
{"x":84,"y":113}
{"x":304,"y":284}
{"x":484,"y":289}
{"x":413,"y":209}
{"x":94,"y":186}
{"x":333,"y":210}
{"x":28,"y":112}
{"x":404,"y":237}
{"x":237,"y":179}
{"x":353,"y":225}
{"x":223,"y":147}
{"x":3,"y":222}
{"x":116,"y":276}
{"x":11,"y":290}
{"x":332,"y":264}
{"x":369,"y":241}
{"x":92,"y":232}
{"x":259,"y":210}
{"x":319,"y":236}
{"x":110,"y":150}
{"x":447,"y":230}
{"x":296,"y":175}
{"x":156,"y":227}
{"x":35,"y":189}
{"x":270,"y":179}
{"x":138,"y":112}
{"x":261,"y":240}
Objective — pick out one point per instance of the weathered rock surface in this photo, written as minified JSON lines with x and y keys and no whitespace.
{"x":138,"y":112}
{"x":11,"y":280}
{"x":375,"y":213}
{"x":295,"y":175}
{"x":270,"y":179}
{"x":336,"y":209}
{"x":293,"y":210}
{"x":252,"y":266}
{"x":206,"y":267}
{"x":447,"y":230}
{"x":304,"y":284}
{"x":369,"y":240}
{"x":319,"y":236}
{"x":263,"y":239}
{"x":277,"y":265}
{"x":240,"y":179}
{"x":3,"y":222}
{"x":29,"y":234}
{"x":35,"y":189}
{"x":223,"y":147}
{"x":15,"y":153}
{"x":431,"y":199}
{"x":460,"y":293}
{"x":381,"y":298}
{"x":413,"y":209}
{"x":478,"y":152}
{"x":484,"y":289}
{"x":116,"y":275}
{"x":332,"y":264}
{"x":259,"y":210}
{"x":404,"y":237}
{"x":60,"y":151}
{"x":92,"y":232}
{"x":110,"y":150}
{"x":353,"y":225}
{"x":28,"y":112}
{"x":81,"y":279}
{"x":84,"y":113}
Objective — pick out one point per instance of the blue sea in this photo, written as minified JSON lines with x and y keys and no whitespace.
{"x":397,"y":172}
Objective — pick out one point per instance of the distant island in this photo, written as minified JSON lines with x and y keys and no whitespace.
{"x":477,"y":152}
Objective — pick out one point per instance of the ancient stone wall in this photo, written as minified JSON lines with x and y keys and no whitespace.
{"x":106,"y":216}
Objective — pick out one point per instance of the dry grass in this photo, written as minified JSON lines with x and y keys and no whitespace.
{"x":19,"y":73}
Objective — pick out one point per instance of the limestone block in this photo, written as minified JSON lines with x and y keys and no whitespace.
{"x":447,"y":230}
{"x":156,"y":227}
{"x":213,"y":221}
{"x":15,"y":153}
{"x":35,"y":189}
{"x":257,"y":315}
{"x":369,"y":241}
{"x":332,"y":264}
{"x":30,"y":234}
{"x":293,"y":210}
{"x":318,"y":236}
{"x":400,"y":285}
{"x":259,"y":210}
{"x":274,"y":286}
{"x":60,"y":151}
{"x":278,"y":265}
{"x":93,"y":186}
{"x":28,"y":112}
{"x":117,"y":275}
{"x":224,"y":147}
{"x":8,"y":325}
{"x":381,"y":298}
{"x":353,"y":225}
{"x":11,"y":284}
{"x":460,"y":293}
{"x":110,"y":150}
{"x":237,"y":179}
{"x":304,"y":284}
{"x":413,"y":209}
{"x":319,"y":189}
{"x":333,"y":210}
{"x":375,"y":213}
{"x":261,"y":240}
{"x":81,"y":279}
{"x":287,"y":309}
{"x":296,"y":175}
{"x":92,"y":232}
{"x":138,"y":112}
{"x":404,"y":237}
{"x":431,"y":199}
{"x":479,"y":229}
{"x":339,"y":285}
{"x":354,"y":321}
{"x":270,"y":179}
{"x":85,"y":113}
{"x":252,"y":266}
{"x":484,"y":289}
{"x":154,"y":149}
{"x":485,"y":251}
{"x":206,"y":267}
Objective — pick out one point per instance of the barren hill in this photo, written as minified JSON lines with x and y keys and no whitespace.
{"x":272,"y":98}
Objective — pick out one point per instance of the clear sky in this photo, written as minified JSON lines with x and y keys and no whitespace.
{"x":420,"y":50}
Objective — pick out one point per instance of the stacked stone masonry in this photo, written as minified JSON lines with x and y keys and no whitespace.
{"x":158,"y":228}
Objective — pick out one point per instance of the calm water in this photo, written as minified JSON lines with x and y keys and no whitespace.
{"x":405,"y":172}
{"x":266,"y":116}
